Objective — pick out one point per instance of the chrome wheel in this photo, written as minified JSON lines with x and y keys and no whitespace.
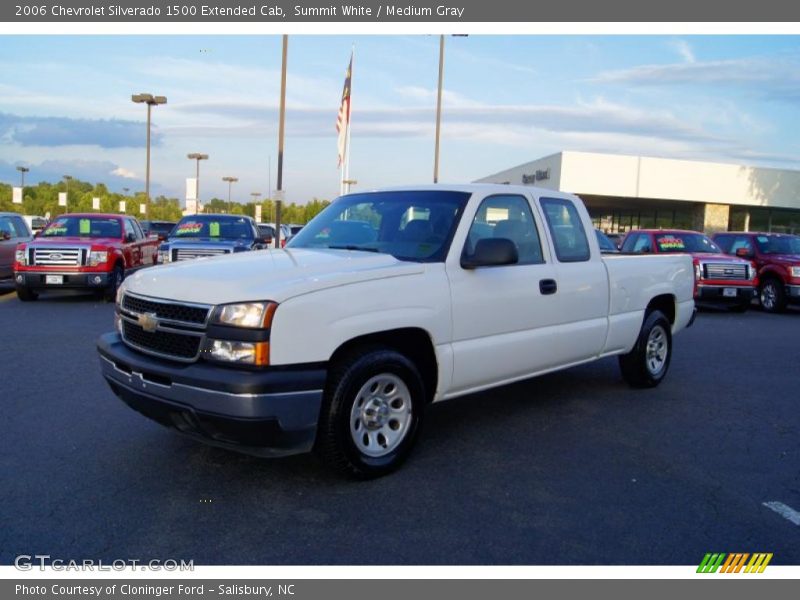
{"x":381,"y":415}
{"x":657,"y":349}
{"x":769,"y":296}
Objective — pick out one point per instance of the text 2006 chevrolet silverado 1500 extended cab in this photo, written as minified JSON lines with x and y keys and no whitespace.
{"x":386,"y":301}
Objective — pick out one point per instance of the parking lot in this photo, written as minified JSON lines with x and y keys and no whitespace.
{"x":570,"y":468}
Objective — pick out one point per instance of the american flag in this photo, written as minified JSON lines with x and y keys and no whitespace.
{"x":343,"y":119}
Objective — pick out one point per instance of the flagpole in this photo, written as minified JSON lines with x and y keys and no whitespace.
{"x":349,"y":121}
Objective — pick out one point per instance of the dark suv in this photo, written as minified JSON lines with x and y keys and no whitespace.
{"x":13,"y":230}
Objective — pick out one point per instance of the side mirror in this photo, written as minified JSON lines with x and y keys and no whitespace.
{"x":744,"y":253}
{"x":491,"y":252}
{"x":129,"y":237}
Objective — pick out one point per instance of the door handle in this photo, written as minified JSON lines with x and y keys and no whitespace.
{"x":548,"y":286}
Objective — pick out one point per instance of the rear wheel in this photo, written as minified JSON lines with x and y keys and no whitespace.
{"x":772,"y":296}
{"x":647,"y":364}
{"x":26,"y":294}
{"x":117,"y":275}
{"x":372,"y":410}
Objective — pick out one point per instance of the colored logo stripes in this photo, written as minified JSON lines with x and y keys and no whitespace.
{"x":734,"y":562}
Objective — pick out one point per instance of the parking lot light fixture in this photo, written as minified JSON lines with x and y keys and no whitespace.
{"x":197,"y":156}
{"x":231,"y":181}
{"x":22,"y":170}
{"x":151,"y":101}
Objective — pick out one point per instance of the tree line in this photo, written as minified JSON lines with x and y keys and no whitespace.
{"x":42,"y":200}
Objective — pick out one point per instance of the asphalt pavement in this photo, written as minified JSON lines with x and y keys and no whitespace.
{"x":570,"y":468}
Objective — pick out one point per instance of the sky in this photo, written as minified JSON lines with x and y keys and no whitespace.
{"x":65,"y":106}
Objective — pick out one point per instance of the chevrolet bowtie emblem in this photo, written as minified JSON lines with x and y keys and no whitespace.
{"x":148,"y":321}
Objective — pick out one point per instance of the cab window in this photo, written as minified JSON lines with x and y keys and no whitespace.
{"x":569,"y":237}
{"x":509,"y":217}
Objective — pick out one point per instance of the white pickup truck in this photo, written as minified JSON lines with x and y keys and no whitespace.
{"x":385,"y":302}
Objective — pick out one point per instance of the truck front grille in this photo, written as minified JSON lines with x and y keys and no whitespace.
{"x":61,"y":257}
{"x":191,"y":253}
{"x":726,"y":271}
{"x":164,"y":343}
{"x":190,"y":314}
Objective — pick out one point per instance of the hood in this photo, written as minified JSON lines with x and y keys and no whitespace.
{"x":207,"y":241}
{"x":787,"y":259}
{"x":718,"y":258}
{"x":74,"y":240}
{"x":265,"y":275}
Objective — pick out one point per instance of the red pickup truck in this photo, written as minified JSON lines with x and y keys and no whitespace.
{"x":93,"y":251}
{"x":719,"y":279}
{"x":777,"y":258}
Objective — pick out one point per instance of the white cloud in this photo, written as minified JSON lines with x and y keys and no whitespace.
{"x":684,"y":50}
{"x":123,"y":172}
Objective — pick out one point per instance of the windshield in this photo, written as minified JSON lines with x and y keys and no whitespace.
{"x":96,"y":227}
{"x":778,"y":244}
{"x":686,"y":242}
{"x":409,"y":225}
{"x":213,"y":226}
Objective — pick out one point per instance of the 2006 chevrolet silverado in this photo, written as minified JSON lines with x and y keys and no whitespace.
{"x":385,"y":302}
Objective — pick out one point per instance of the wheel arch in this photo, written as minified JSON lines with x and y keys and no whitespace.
{"x":666,"y":304}
{"x":413,"y":342}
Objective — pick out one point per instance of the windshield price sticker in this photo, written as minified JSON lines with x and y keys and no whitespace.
{"x":85,"y":226}
{"x":213,"y":229}
{"x":671,"y":243}
{"x":188,"y":228}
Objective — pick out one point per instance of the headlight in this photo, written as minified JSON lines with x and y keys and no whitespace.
{"x":698,"y":272}
{"x":120,"y":292}
{"x":247,"y":314}
{"x":97,"y":257}
{"x":21,"y":256}
{"x":163,"y":256}
{"x":246,"y":353}
{"x":752,"y":271}
{"x":795,"y":271}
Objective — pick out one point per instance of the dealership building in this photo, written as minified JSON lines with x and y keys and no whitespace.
{"x":635,"y":192}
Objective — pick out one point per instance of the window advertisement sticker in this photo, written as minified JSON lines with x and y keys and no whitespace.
{"x":189,"y":228}
{"x":84,"y":227}
{"x":213,"y":229}
{"x":670,"y":243}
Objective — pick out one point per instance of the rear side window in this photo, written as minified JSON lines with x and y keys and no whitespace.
{"x":569,"y":237}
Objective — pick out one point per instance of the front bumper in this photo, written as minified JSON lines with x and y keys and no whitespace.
{"x":70,"y":279}
{"x":793,"y":292}
{"x":271,"y":412}
{"x":716,"y":293}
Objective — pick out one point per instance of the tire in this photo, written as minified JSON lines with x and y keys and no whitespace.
{"x":772,"y":296}
{"x":26,"y":294}
{"x":371,"y":413}
{"x":646,"y":365}
{"x":117,"y":275}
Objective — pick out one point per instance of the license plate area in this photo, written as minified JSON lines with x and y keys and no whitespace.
{"x":54,"y":279}
{"x":729,"y":292}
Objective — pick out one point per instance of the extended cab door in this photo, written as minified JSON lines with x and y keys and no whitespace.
{"x":582,"y":278}
{"x":132,"y":244}
{"x":503,"y":316}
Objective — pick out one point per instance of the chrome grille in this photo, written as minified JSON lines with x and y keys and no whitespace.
{"x":179,"y":327}
{"x":62,"y":257}
{"x":176,"y":312}
{"x":728,"y":271}
{"x":191,"y":253}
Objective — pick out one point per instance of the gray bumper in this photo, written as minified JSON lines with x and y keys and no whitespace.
{"x":269,"y":412}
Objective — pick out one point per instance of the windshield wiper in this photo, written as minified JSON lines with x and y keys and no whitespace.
{"x":353,"y":247}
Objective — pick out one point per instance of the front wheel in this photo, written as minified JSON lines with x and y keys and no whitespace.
{"x":371,"y":413}
{"x":647,"y":364}
{"x":772,"y":296}
{"x":117,"y":275}
{"x":26,"y":294}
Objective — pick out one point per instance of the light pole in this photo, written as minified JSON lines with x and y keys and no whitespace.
{"x":67,"y":178}
{"x":231,"y":181}
{"x":198,"y":157}
{"x":439,"y":107}
{"x":151,"y":101}
{"x":22,"y":170}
